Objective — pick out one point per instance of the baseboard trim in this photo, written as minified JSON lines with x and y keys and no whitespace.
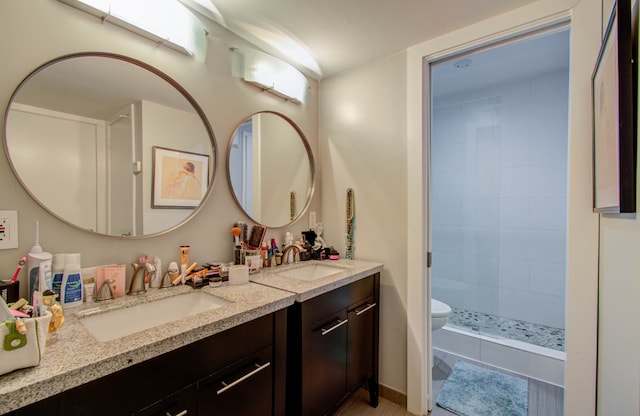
{"x":393,"y":395}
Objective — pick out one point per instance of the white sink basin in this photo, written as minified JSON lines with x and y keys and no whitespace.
{"x":311,"y":272}
{"x":121,"y":322}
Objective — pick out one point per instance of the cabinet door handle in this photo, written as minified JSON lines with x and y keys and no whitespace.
{"x":234,"y":383}
{"x":184,"y":412}
{"x":369,"y":306}
{"x":338,"y":325}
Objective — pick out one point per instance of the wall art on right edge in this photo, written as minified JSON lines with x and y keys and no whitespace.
{"x":614,"y":124}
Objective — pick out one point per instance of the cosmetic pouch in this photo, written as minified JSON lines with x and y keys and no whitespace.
{"x":23,"y":350}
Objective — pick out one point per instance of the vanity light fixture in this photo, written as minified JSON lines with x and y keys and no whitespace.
{"x":167,"y":22}
{"x":270,"y":74}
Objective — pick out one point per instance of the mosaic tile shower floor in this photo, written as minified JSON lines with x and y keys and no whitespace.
{"x":491,"y":325}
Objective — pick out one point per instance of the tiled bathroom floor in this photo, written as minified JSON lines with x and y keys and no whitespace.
{"x":543,"y":336}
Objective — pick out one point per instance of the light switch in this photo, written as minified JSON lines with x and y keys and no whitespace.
{"x":8,"y":229}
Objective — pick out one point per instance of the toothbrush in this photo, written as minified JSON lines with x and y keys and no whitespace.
{"x":21,"y":264}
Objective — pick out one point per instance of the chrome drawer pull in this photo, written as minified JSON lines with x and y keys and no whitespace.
{"x":243,"y":378}
{"x":371,"y":306}
{"x":184,"y":412}
{"x":339,"y":324}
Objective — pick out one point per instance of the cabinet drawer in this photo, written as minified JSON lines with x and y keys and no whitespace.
{"x":160,"y":377}
{"x":50,"y":407}
{"x":181,"y":403}
{"x":244,"y":388}
{"x":360,"y":290}
{"x":318,"y":308}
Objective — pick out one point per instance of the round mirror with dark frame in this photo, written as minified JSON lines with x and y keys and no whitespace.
{"x":110,"y":144}
{"x":270,"y":169}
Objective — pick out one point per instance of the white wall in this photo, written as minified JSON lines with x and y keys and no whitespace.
{"x":371,"y":139}
{"x":619,"y":308}
{"x":172,"y":129}
{"x":362,"y":146}
{"x":36,"y":32}
{"x":499,"y":171}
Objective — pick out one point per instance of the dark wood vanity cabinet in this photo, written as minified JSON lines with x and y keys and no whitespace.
{"x":50,"y":406}
{"x":333,"y":348}
{"x":180,"y":403}
{"x":240,"y":371}
{"x":326,"y":364}
{"x":244,"y":388}
{"x":362,"y":360}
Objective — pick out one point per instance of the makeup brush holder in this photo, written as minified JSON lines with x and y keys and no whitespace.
{"x":253,"y":260}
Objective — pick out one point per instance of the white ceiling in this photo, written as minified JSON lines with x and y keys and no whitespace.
{"x":532,"y":56}
{"x":343,"y":34}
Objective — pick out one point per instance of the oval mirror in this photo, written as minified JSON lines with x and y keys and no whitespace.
{"x":110,"y":144}
{"x":270,"y":169}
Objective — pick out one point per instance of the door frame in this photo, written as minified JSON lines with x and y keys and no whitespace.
{"x":582,"y":236}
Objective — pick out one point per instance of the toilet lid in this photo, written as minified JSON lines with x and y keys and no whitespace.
{"x":439,"y":309}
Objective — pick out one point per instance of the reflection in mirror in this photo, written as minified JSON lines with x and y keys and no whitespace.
{"x":79,"y":134}
{"x":270,"y":169}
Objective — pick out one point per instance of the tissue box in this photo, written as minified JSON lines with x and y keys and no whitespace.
{"x":238,"y":274}
{"x":21,"y":351}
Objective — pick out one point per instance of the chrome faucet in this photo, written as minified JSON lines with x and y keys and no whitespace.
{"x":137,"y":279}
{"x":296,"y":253}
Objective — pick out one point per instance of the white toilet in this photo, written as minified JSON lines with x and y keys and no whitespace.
{"x":440,"y":312}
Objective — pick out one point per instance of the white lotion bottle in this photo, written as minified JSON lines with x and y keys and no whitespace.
{"x":57,"y":270}
{"x":71,"y":294}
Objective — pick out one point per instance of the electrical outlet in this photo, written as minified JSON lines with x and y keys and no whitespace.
{"x":8,"y":229}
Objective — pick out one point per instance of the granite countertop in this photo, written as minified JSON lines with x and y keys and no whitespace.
{"x":349,"y":272}
{"x":73,"y":357}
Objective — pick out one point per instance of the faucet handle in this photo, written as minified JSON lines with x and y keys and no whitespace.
{"x":167,"y":278}
{"x":105,"y":292}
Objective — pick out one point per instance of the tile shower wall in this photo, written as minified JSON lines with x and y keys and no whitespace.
{"x":499,"y":179}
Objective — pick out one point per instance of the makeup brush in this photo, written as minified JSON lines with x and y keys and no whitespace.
{"x":236,"y":235}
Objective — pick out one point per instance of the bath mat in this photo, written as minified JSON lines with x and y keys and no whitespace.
{"x":475,"y":391}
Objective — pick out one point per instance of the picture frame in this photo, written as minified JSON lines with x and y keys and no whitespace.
{"x":180,"y":179}
{"x":614,"y":124}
